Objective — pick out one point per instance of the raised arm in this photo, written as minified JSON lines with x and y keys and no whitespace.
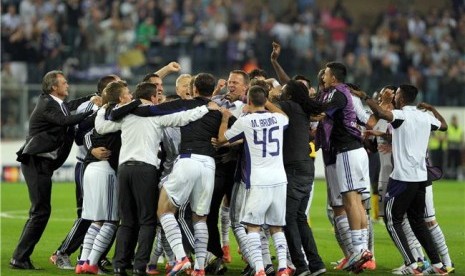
{"x":282,"y":76}
{"x":436,"y":114}
{"x":170,"y":68}
{"x":219,"y":86}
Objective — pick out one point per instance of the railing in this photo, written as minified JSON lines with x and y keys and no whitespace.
{"x":18,"y":102}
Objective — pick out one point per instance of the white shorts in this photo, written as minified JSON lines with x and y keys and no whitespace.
{"x":430,"y":212}
{"x":334,"y":190}
{"x":265,"y":205}
{"x":100,"y":201}
{"x":238,"y":197}
{"x":193,"y":179}
{"x":353,"y":171}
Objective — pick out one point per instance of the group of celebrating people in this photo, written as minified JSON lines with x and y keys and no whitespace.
{"x":156,"y":173}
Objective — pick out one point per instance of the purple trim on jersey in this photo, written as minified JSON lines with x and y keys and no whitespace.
{"x":346,"y":164}
{"x":237,"y":137}
{"x":185,"y":155}
{"x":247,"y":170}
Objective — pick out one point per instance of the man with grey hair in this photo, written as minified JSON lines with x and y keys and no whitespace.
{"x":47,"y":146}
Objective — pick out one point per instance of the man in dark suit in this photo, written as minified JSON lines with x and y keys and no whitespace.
{"x":51,"y":135}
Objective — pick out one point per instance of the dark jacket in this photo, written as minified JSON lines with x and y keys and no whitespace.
{"x":50,"y":129}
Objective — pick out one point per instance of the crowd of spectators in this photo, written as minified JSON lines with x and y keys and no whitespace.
{"x":131,"y":37}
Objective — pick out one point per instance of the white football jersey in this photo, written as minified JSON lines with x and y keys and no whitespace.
{"x":263,"y":147}
{"x":410,"y":135}
{"x":84,"y":107}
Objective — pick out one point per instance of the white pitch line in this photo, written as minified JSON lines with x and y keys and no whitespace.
{"x":22,"y":215}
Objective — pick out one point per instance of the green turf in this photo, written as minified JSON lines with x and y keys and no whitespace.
{"x":449,"y":200}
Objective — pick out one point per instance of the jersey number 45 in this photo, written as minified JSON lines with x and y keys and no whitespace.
{"x":267,"y":140}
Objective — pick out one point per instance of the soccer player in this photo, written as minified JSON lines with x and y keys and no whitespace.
{"x":192,"y":178}
{"x":262,"y":132}
{"x":226,"y":160}
{"x":351,"y":160}
{"x":182,"y":86}
{"x":75,"y":236}
{"x":157,"y":78}
{"x":100,"y":185}
{"x":138,"y":179}
{"x":407,"y":184}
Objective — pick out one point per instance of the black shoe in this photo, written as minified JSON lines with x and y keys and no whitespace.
{"x":216,"y":267}
{"x":248,"y":271}
{"x":104,"y":262}
{"x":269,"y":270}
{"x":15,"y":264}
{"x":120,"y":272}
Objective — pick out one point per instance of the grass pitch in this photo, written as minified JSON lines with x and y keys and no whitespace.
{"x":448,"y":196}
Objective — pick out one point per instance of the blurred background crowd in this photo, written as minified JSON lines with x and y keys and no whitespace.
{"x":381,"y":42}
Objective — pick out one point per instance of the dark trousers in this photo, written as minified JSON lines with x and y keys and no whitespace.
{"x":138,"y":201}
{"x":298,"y":232}
{"x":75,"y":237}
{"x":374,"y":165}
{"x":38,"y":175}
{"x":408,"y":198}
{"x":224,"y":181}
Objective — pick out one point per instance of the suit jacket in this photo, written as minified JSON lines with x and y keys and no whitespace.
{"x":50,"y":129}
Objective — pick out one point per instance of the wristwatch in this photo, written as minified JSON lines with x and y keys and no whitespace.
{"x":366,"y":97}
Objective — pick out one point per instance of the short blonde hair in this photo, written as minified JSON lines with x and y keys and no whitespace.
{"x":181,"y":77}
{"x":112,"y":91}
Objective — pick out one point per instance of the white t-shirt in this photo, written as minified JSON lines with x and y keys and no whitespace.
{"x":263,"y":147}
{"x":411,"y":129}
{"x":141,"y":136}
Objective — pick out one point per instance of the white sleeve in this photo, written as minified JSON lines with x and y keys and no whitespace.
{"x":103,"y":126}
{"x":86,"y":106}
{"x":397,"y":114}
{"x":434,"y":121}
{"x":236,"y":131}
{"x":182,"y":118}
{"x":363,"y":115}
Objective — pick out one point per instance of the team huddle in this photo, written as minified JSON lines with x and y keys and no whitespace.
{"x":156,"y":174}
